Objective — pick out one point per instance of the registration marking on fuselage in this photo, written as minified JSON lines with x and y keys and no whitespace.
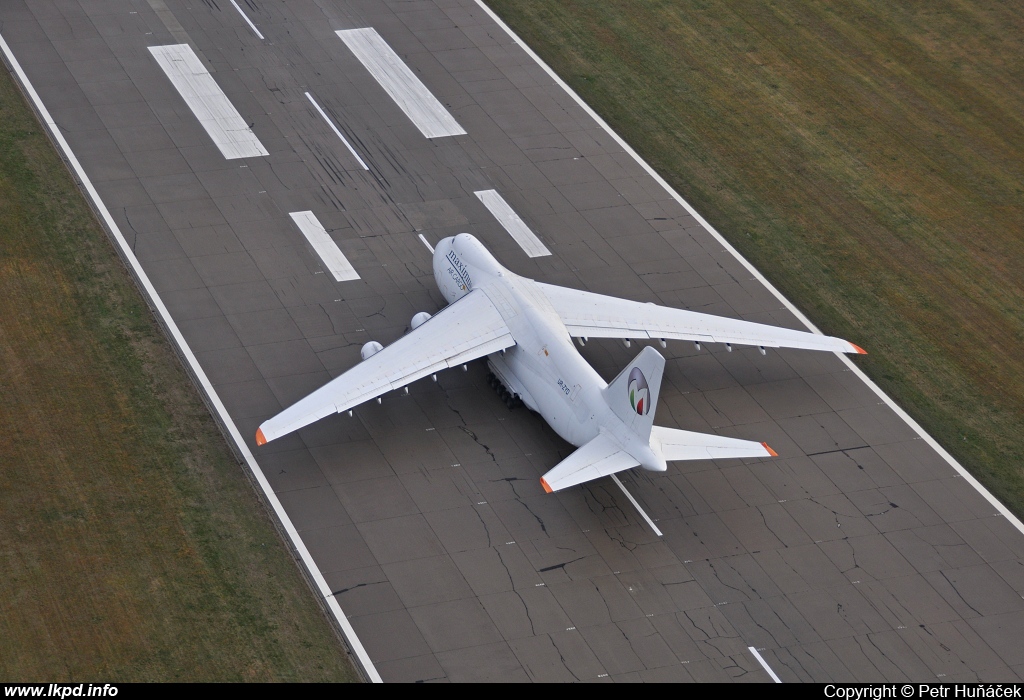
{"x":208,"y":102}
{"x":512,"y":223}
{"x":398,"y":80}
{"x":324,"y":245}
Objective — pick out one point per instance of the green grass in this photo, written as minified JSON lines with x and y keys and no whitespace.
{"x":867,"y":157}
{"x":133,"y":547}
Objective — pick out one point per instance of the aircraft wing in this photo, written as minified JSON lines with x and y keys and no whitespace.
{"x":591,"y":315}
{"x":679,"y":445}
{"x":468,"y":329}
{"x":599,"y":457}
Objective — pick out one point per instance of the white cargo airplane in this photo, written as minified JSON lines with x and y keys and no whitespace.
{"x":525,"y":328}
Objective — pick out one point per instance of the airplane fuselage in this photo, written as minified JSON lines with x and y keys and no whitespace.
{"x":544,"y":368}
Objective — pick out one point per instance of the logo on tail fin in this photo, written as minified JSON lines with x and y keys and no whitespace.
{"x":639,"y":392}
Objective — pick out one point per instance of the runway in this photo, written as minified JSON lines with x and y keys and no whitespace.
{"x":277,"y":172}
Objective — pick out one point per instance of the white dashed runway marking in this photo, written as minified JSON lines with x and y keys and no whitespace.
{"x":208,"y":102}
{"x":511,"y":222}
{"x":418,"y":103}
{"x":324,"y":245}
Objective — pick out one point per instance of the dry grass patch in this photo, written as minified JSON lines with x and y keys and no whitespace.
{"x":867,"y":157}
{"x":132,"y":545}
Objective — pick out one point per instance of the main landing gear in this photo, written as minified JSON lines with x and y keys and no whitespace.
{"x":510,"y":399}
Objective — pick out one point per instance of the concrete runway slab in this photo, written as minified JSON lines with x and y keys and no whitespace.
{"x":859,"y":554}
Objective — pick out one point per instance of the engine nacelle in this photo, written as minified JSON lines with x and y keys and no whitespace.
{"x":419,"y":319}
{"x":370,"y":349}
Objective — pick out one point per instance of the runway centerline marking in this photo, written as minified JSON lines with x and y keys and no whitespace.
{"x":408,"y":92}
{"x":248,"y":21}
{"x":512,"y":223}
{"x":637,"y":506}
{"x":160,"y":308}
{"x":324,"y":245}
{"x":765,"y":665}
{"x":208,"y":103}
{"x":337,"y":131}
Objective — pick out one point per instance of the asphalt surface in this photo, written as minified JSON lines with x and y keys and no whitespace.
{"x":858,"y":554}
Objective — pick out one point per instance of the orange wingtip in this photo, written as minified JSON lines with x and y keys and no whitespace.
{"x":860,"y":350}
{"x":260,"y":440}
{"x":547,"y":489}
{"x":772,"y":452}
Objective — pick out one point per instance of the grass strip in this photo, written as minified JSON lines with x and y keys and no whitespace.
{"x":132,"y":545}
{"x":867,"y":157}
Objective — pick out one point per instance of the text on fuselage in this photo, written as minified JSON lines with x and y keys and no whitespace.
{"x":458,"y":271}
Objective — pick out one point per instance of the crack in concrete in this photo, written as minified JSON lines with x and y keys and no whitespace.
{"x":448,"y":402}
{"x":334,"y":329}
{"x":380,"y":312}
{"x":487,"y":530}
{"x":505,"y":567}
{"x":853,"y":553}
{"x":539,"y":520}
{"x":621,"y":541}
{"x":562,"y":658}
{"x":476,"y":439}
{"x":510,"y":480}
{"x":793,"y":660}
{"x":526,"y":609}
{"x":835,"y":513}
{"x":743,"y":671}
{"x":878,"y":648}
{"x":719,"y":578}
{"x":866,"y":657}
{"x":274,"y":173}
{"x":951,"y":585}
{"x":769,"y":528}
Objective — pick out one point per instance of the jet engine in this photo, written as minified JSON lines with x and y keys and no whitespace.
{"x":370,"y":349}
{"x":419,"y":319}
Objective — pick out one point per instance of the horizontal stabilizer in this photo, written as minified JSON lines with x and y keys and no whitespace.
{"x":678,"y":445}
{"x":599,"y":457}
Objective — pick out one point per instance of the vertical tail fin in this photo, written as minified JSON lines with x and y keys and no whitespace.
{"x":633,"y":395}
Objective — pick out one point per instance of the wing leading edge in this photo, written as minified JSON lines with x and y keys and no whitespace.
{"x":468,"y":329}
{"x":598,"y":316}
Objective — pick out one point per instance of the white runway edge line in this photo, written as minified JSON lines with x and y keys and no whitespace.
{"x":1003,"y":510}
{"x":208,"y":102}
{"x":637,"y":506}
{"x":204,"y":381}
{"x":418,"y":103}
{"x":511,"y":222}
{"x":247,"y":20}
{"x":324,"y":245}
{"x":765,"y":665}
{"x":336,"y":131}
